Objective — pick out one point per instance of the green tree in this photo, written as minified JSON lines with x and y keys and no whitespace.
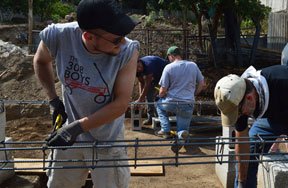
{"x":234,"y":11}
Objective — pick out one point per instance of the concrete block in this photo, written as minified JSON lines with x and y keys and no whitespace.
{"x":273,"y":174}
{"x":225,"y":171}
{"x":6,"y":155}
{"x":136,"y":119}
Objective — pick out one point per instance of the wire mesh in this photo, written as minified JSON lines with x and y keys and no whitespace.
{"x":134,"y":147}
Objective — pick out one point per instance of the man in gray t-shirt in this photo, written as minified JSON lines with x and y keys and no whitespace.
{"x":180,"y":81}
{"x":96,"y":65}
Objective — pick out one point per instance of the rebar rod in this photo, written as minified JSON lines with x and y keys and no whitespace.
{"x":175,"y":159}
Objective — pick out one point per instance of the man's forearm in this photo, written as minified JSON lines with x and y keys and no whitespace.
{"x":162,"y":92}
{"x":43,"y":68}
{"x":242,"y":149}
{"x":44,"y":72}
{"x":200,"y":87}
{"x":144,"y":93}
{"x":242,"y":166}
{"x":141,"y":89}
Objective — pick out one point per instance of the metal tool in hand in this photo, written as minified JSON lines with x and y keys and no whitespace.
{"x":58,"y":123}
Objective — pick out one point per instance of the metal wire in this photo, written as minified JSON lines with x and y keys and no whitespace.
{"x":131,"y":103}
{"x":172,"y":159}
{"x":24,"y":101}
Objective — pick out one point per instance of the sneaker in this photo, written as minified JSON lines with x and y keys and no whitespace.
{"x":178,"y":144}
{"x":163,"y":134}
{"x":185,"y":135}
{"x":147,"y":122}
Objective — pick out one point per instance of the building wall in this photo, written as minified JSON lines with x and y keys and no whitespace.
{"x":278,"y":30}
{"x":276,"y":5}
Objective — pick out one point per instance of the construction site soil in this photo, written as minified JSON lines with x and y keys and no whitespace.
{"x":32,"y":122}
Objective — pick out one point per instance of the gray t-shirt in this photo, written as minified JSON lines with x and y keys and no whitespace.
{"x":180,"y":79}
{"x":87,"y":79}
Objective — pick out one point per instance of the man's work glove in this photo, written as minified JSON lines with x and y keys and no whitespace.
{"x":57,"y":106}
{"x":66,"y":135}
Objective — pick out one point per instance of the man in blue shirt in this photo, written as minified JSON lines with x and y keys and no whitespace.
{"x":149,"y":71}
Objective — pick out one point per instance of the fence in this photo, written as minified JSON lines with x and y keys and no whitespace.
{"x":157,"y":41}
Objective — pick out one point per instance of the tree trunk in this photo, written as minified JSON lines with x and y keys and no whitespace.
{"x":30,"y":25}
{"x":255,"y":42}
{"x":232,"y":35}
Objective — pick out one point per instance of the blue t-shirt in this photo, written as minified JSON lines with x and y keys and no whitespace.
{"x":153,"y":65}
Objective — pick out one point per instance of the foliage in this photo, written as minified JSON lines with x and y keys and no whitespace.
{"x":16,"y":6}
{"x":151,"y":18}
{"x":46,"y":9}
{"x":139,"y":4}
{"x":43,"y":8}
{"x":59,"y":10}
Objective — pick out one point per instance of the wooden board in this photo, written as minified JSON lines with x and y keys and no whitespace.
{"x":138,"y":171}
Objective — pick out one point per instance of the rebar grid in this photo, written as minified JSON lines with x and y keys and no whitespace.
{"x":134,"y":146}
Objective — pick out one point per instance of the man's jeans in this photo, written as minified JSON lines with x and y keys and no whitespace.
{"x":262,"y":127}
{"x":151,"y":98}
{"x":183,"y":112}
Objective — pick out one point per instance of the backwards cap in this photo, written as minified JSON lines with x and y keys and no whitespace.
{"x":104,"y":14}
{"x":173,"y":50}
{"x":228,"y":93}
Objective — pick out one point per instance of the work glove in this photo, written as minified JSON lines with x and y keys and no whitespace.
{"x":66,"y":135}
{"x":57,"y":107}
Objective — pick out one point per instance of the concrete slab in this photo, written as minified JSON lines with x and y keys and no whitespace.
{"x":273,"y":174}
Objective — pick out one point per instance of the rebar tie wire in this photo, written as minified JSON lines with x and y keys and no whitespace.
{"x":220,"y":149}
{"x":94,"y":146}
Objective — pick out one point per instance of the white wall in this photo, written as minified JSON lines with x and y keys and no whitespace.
{"x":276,"y":5}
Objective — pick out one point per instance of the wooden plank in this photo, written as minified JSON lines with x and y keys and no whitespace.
{"x":138,"y":171}
{"x":147,"y":170}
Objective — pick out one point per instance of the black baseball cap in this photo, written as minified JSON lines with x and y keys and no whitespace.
{"x":106,"y":15}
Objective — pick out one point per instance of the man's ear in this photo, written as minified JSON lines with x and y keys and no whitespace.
{"x":87,"y":36}
{"x":249,"y":96}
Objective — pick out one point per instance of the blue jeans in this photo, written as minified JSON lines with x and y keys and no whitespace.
{"x":183,"y":112}
{"x":151,"y":98}
{"x":263,"y":127}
